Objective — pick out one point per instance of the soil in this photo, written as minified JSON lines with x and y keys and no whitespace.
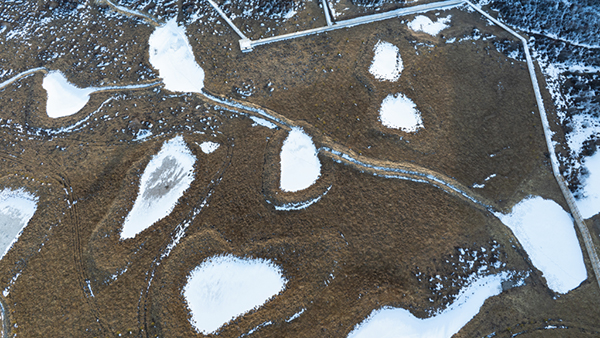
{"x":382,"y":239}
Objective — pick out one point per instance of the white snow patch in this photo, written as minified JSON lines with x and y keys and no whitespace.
{"x":225,"y":287}
{"x":387,"y":63}
{"x":300,"y":166}
{"x":64,"y":98}
{"x":301,"y":205}
{"x":546,"y":232}
{"x":589,"y":203}
{"x":172,"y":55}
{"x":16,"y":209}
{"x":208,"y":147}
{"x":166,"y":177}
{"x":399,"y":112}
{"x":262,"y":122}
{"x":398,"y":323}
{"x":421,"y":23}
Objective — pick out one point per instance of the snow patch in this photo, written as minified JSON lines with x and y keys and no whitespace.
{"x":172,"y":55}
{"x":398,"y":323}
{"x":64,"y":98}
{"x":546,"y":232}
{"x":262,"y":122}
{"x":300,"y":166}
{"x":225,"y":287}
{"x":208,"y":147}
{"x":16,"y":209}
{"x":166,"y":177}
{"x":387,"y":63}
{"x":589,"y":203}
{"x":399,"y":112}
{"x":421,"y":23}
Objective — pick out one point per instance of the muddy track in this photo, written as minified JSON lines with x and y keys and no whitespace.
{"x":82,"y":276}
{"x":177,"y":234}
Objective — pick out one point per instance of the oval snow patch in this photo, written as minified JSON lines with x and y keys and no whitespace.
{"x":166,"y":177}
{"x":225,"y":287}
{"x":300,"y":166}
{"x":400,"y":112}
{"x":387,"y":63}
{"x":546,"y":232}
{"x":172,"y":55}
{"x":64,"y":98}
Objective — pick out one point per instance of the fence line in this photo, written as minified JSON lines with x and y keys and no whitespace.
{"x":579,"y":221}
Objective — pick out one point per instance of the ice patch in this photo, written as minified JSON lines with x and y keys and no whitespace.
{"x":422,"y":23}
{"x":172,"y":55}
{"x":546,"y":232}
{"x":387,"y":63}
{"x":262,"y":122}
{"x":398,"y":323}
{"x":225,"y":287}
{"x":300,"y":166}
{"x":399,"y":112}
{"x":208,"y":147}
{"x":589,"y":203}
{"x":166,"y":177}
{"x":64,"y":98}
{"x":16,"y":209}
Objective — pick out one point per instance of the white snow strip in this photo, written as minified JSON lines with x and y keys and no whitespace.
{"x":421,"y":23}
{"x":64,"y":98}
{"x":225,"y":287}
{"x":387,"y":63}
{"x":16,"y":209}
{"x":208,"y":147}
{"x":589,"y":203}
{"x":546,"y":232}
{"x":21,"y":75}
{"x":300,"y":205}
{"x":399,"y":323}
{"x":399,"y":112}
{"x":166,"y":177}
{"x":172,"y":55}
{"x":295,"y":315}
{"x":262,"y":122}
{"x":300,"y":166}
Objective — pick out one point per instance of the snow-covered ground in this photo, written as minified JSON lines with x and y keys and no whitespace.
{"x":400,"y":112}
{"x":589,"y":202}
{"x":421,"y":23}
{"x":300,"y":166}
{"x":172,"y":55}
{"x":225,"y":287}
{"x":16,"y":209}
{"x":166,"y":177}
{"x":64,"y":98}
{"x":387,"y":63}
{"x":548,"y":235}
{"x":400,"y":323}
{"x":208,"y":147}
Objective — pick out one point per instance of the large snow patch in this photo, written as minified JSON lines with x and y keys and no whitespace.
{"x":546,"y":232}
{"x":64,"y":98}
{"x":387,"y":63}
{"x":172,"y":55}
{"x":166,"y":177}
{"x":225,"y":287}
{"x":300,"y":166}
{"x":589,"y":202}
{"x":400,"y":323}
{"x":421,"y":23}
{"x":400,"y":112}
{"x":16,"y":209}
